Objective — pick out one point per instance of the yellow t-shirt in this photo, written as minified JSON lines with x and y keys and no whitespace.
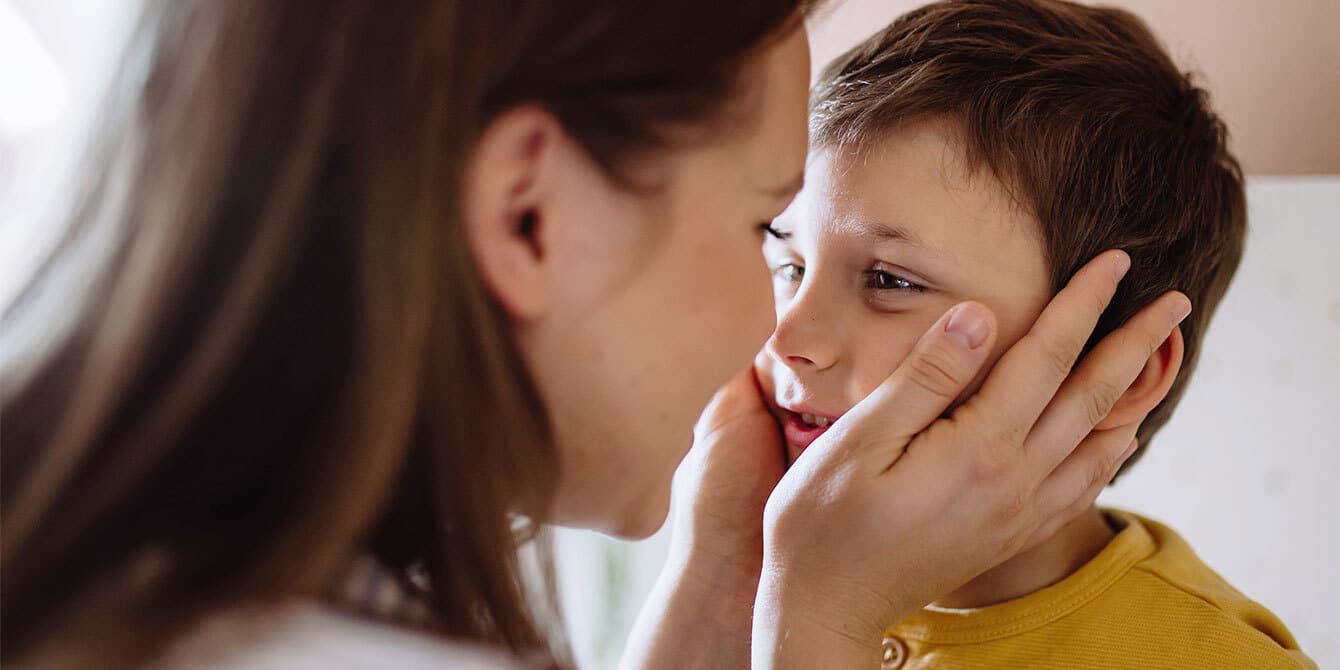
{"x":1145,"y":601}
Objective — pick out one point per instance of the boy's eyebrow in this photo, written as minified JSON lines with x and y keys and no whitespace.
{"x":884,"y":231}
{"x":879,"y":231}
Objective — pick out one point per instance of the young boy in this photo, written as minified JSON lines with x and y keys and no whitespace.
{"x":985,"y":150}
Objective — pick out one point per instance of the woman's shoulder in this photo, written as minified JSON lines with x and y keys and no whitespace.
{"x":308,"y":635}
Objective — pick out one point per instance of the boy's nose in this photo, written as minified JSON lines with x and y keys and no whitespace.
{"x":804,"y":339}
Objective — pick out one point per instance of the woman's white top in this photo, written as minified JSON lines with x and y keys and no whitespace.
{"x":310,"y":635}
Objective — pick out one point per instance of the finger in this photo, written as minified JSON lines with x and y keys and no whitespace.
{"x":738,"y":398}
{"x":1075,"y":484}
{"x":1101,"y":379}
{"x":945,"y":360}
{"x":1027,"y":376}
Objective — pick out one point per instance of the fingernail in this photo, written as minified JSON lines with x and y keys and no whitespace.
{"x":1121,"y":265}
{"x":967,"y":327}
{"x":1181,"y":310}
{"x":1130,"y":449}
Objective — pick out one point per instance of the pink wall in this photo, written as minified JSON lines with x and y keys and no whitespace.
{"x":1273,"y":67}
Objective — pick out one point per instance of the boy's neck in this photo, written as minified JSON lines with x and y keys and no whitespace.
{"x":1046,"y":564}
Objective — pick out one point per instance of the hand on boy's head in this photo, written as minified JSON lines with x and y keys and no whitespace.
{"x":841,"y":516}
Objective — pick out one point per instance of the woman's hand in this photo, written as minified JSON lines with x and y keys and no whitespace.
{"x":722,"y":486}
{"x":893,"y":507}
{"x":700,"y":613}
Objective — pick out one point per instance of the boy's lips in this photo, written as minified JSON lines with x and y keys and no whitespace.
{"x":802,"y":427}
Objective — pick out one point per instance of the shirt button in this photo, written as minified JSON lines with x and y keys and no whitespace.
{"x":894,"y":654}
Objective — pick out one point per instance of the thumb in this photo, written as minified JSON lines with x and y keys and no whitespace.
{"x":945,"y":360}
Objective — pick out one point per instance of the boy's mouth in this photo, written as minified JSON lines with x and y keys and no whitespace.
{"x":802,"y":427}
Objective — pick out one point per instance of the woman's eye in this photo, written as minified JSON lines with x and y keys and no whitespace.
{"x":885,"y":281}
{"x":772,"y":231}
{"x":789,"y":272}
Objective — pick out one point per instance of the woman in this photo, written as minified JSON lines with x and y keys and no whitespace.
{"x":356,"y":282}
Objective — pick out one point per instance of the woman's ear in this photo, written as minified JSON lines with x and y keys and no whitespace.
{"x":506,"y":192}
{"x":1151,"y":387}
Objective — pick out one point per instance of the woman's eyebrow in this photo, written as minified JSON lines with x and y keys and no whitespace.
{"x":787,"y":190}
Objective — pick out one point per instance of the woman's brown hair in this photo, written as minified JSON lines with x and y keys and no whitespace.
{"x":261,"y":347}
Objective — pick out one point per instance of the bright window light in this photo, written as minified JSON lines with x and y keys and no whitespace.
{"x":32,"y":87}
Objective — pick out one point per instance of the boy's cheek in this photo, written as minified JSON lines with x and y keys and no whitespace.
{"x":881,"y":355}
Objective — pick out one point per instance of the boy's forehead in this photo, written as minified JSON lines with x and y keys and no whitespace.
{"x":912,"y":185}
{"x":911,"y":200}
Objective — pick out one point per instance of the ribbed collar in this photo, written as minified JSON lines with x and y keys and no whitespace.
{"x":940,"y":625}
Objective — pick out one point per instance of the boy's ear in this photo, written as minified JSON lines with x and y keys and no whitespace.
{"x":507,"y":192}
{"x":1151,"y":387}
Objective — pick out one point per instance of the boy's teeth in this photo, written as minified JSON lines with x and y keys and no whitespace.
{"x":816,"y":421}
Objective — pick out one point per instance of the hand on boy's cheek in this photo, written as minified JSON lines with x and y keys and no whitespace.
{"x":768,"y":387}
{"x":766,"y":384}
{"x":723,"y":484}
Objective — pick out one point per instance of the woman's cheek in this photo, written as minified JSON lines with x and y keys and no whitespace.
{"x":760,"y":303}
{"x":746,"y":314}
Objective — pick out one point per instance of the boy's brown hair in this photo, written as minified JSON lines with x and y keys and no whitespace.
{"x":1083,"y":116}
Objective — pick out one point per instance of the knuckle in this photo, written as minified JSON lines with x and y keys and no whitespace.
{"x":1057,"y":356}
{"x":1083,"y":495}
{"x":992,"y":463}
{"x":1099,"y":476}
{"x":1038,"y":533}
{"x":1014,"y":533}
{"x":1015,"y":518}
{"x":1016,"y":507}
{"x":1076,"y":508}
{"x":1015,"y":542}
{"x":934,"y":371}
{"x":1103,"y":395}
{"x":1011,"y":439}
{"x":1071,"y":511}
{"x":1154,"y":339}
{"x":991,"y":431}
{"x":1098,"y":302}
{"x":1122,"y":337}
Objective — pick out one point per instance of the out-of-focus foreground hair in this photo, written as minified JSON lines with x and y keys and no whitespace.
{"x":261,"y":347}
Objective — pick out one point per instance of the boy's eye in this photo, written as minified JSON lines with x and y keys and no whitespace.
{"x":885,"y":281}
{"x":789,"y":272}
